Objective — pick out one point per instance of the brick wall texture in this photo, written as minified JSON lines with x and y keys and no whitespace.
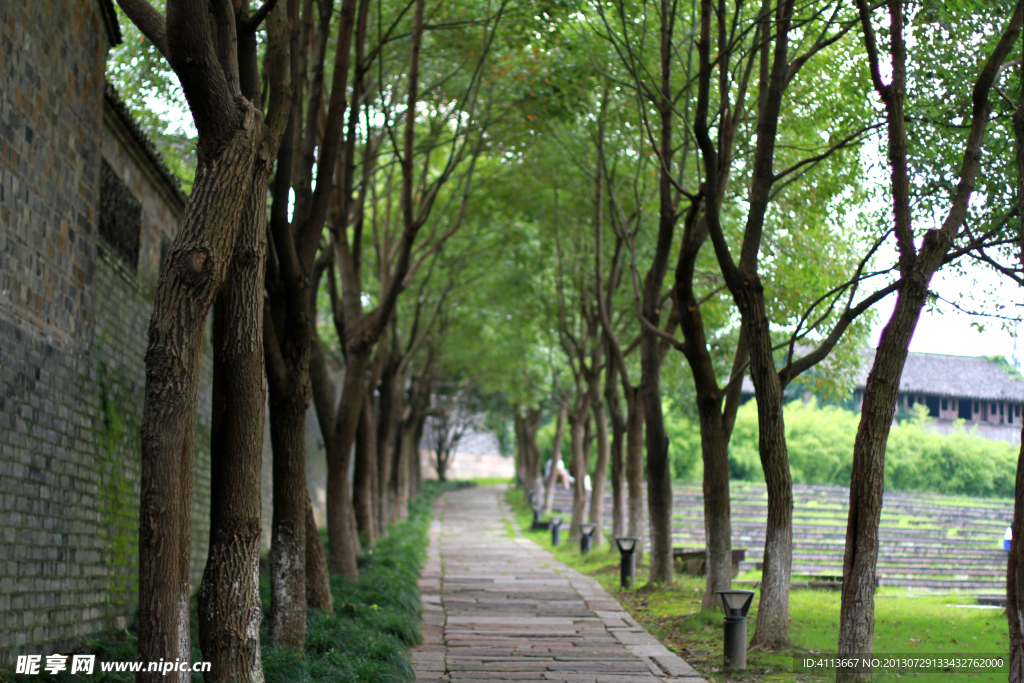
{"x":73,"y":321}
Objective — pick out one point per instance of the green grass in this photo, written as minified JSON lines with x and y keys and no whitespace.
{"x":367,"y":639}
{"x":906,"y":622}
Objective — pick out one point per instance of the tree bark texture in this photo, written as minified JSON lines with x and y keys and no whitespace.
{"x":1015,"y":579}
{"x":579,"y":468}
{"x":618,"y":457}
{"x":318,"y":580}
{"x":364,"y":485}
{"x":343,"y":540}
{"x":600,"y":470}
{"x":772,"y":629}
{"x":195,"y":269}
{"x":637,"y":526}
{"x":857,"y":622}
{"x":556,"y":454}
{"x":287,"y":625}
{"x":856,"y":625}
{"x":1015,"y":561}
{"x":717,"y":510}
{"x":229,"y":603}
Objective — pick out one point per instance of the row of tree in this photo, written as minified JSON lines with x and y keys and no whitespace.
{"x":526,"y":174}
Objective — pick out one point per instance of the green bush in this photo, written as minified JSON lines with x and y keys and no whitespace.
{"x":820,"y":443}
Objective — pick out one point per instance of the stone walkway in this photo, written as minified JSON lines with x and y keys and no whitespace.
{"x":498,"y":608}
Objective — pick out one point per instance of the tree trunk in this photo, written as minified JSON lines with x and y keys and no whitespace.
{"x":717,"y":513}
{"x":579,"y":468}
{"x":287,"y":625}
{"x":532,"y":452}
{"x":441,"y":464}
{"x":318,"y":580}
{"x":600,"y":468}
{"x":1015,"y":578}
{"x":635,"y":470}
{"x":365,"y":474}
{"x":229,"y":601}
{"x":186,"y":289}
{"x":857,"y":614}
{"x":385,"y":445}
{"x":659,"y":479}
{"x":1015,"y":561}
{"x":772,"y":630}
{"x":556,"y":454}
{"x":343,"y":540}
{"x":618,"y":456}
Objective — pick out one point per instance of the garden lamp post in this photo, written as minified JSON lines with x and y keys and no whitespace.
{"x":627,"y":565}
{"x":556,"y":531}
{"x":587,"y":538}
{"x":736,"y":603}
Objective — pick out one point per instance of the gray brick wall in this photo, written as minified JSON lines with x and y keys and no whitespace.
{"x":73,"y":321}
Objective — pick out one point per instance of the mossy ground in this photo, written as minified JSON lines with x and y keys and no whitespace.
{"x":906,"y":622}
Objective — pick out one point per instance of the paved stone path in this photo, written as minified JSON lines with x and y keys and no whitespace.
{"x":498,"y":608}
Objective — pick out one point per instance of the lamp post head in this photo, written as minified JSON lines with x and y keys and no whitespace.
{"x":556,"y":522}
{"x":626,"y":543}
{"x":587,"y":529}
{"x":736,"y":602}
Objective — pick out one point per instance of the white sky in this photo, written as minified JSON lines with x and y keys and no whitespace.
{"x":950,"y":331}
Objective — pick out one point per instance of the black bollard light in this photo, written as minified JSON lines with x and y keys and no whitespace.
{"x":736,"y":603}
{"x":556,"y":531}
{"x":587,"y":538}
{"x":536,"y":515}
{"x":627,"y":565}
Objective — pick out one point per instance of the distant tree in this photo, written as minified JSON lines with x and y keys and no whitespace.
{"x":455,"y":413}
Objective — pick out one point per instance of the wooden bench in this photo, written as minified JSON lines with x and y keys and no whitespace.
{"x":691,"y":560}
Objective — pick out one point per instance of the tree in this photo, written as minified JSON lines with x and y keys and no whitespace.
{"x":212,"y":50}
{"x":916,"y":267}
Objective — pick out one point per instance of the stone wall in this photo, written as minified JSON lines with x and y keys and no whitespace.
{"x":74,"y":310}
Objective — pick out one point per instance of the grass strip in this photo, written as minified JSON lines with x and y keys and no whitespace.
{"x":907,"y":622}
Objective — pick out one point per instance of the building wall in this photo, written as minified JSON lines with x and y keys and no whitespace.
{"x":73,"y":322}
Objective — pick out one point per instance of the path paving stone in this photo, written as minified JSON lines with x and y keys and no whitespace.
{"x":497,"y":608}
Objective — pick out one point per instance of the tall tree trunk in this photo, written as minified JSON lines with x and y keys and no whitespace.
{"x":365,"y":474}
{"x":531,"y":425}
{"x":556,"y":454}
{"x":386,"y":432}
{"x":618,"y":454}
{"x":229,"y":601}
{"x":318,"y":580}
{"x":288,"y":540}
{"x":857,"y":622}
{"x":717,"y":514}
{"x":579,"y":468}
{"x":600,"y":470}
{"x":343,"y":538}
{"x":772,"y":629}
{"x":635,"y":469}
{"x":659,"y":479}
{"x":186,"y":289}
{"x":917,"y":266}
{"x":1015,"y":561}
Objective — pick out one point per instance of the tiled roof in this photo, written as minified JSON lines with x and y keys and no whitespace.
{"x":952,"y":376}
{"x":940,"y":375}
{"x":144,"y":143}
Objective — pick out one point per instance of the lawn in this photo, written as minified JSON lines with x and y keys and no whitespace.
{"x":908,"y":623}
